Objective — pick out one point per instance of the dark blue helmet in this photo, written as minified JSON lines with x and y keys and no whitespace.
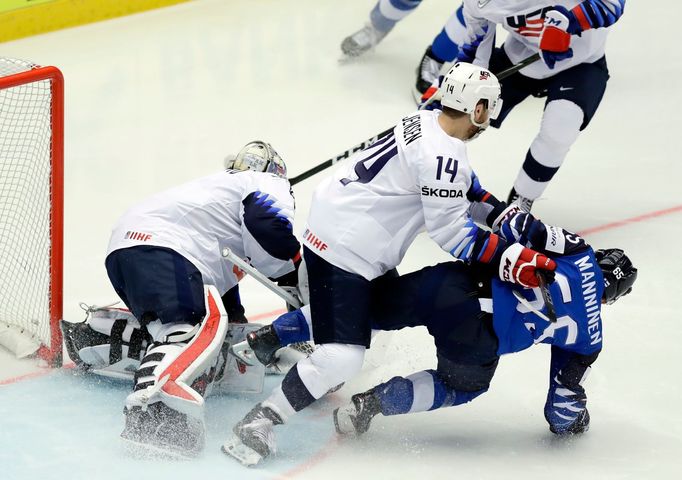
{"x":619,"y":274}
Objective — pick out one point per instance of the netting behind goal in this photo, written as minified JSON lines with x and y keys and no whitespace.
{"x":31,"y":208}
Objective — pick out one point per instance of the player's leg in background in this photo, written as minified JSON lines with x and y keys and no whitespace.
{"x":187,"y":324}
{"x":443,"y":49}
{"x":339,"y":304}
{"x":573,"y":97}
{"x":382,"y":19}
{"x":233,"y":306}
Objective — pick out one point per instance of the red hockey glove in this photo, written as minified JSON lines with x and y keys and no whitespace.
{"x":555,"y":40}
{"x":519,"y":264}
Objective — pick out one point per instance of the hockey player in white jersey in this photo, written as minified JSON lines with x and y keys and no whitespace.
{"x":361,"y":222}
{"x":570,"y":36}
{"x":165,"y":262}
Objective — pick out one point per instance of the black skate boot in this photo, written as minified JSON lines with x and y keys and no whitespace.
{"x":264,"y":342}
{"x":524,"y":203}
{"x":253,"y":438}
{"x":162,"y":431}
{"x":427,"y":73}
{"x":354,"y":418}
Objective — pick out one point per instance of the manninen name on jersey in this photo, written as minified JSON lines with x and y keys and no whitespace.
{"x":442,"y":192}
{"x":412,"y":128}
{"x":592,"y":303}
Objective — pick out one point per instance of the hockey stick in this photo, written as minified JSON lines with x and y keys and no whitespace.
{"x":546,"y":297}
{"x":328,"y":163}
{"x":265,"y":281}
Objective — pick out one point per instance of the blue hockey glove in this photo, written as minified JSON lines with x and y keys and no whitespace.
{"x":523,"y":228}
{"x":566,"y":409}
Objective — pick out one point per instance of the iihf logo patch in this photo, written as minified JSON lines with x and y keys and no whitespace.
{"x":484,"y":75}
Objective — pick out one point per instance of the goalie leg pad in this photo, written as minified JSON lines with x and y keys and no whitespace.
{"x":177,"y":372}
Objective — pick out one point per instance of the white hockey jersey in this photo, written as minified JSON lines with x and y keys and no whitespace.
{"x":367,"y":214}
{"x":524,"y":20}
{"x":249,"y":212}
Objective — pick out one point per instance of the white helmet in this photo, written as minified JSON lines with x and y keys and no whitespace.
{"x":258,"y":156}
{"x":465,"y":85}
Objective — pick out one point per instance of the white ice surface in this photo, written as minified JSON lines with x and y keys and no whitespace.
{"x":158,"y":98}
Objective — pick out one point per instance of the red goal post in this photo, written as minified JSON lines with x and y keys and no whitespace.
{"x":31,"y":208}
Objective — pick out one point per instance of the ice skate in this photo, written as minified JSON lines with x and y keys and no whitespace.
{"x":427,"y":74}
{"x":524,"y":203}
{"x":361,"y":41}
{"x":261,"y":344}
{"x":254,"y":438}
{"x":354,"y":418}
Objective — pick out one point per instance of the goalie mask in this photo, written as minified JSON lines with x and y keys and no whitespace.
{"x":619,"y":274}
{"x":465,"y":85}
{"x":258,"y":156}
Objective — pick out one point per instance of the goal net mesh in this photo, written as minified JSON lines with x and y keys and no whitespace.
{"x":25,"y":205}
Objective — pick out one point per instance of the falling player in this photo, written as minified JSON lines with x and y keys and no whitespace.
{"x":165,"y":262}
{"x":474,"y":318}
{"x":362,"y":221}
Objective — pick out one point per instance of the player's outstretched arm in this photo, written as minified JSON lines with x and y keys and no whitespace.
{"x":527,"y":230}
{"x":566,"y":405}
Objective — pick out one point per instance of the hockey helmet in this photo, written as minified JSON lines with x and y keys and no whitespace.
{"x":465,"y":85}
{"x":258,"y":156}
{"x":619,"y":274}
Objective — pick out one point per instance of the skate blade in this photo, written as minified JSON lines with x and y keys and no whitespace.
{"x":247,"y":456}
{"x":343,"y":425}
{"x":146,"y":451}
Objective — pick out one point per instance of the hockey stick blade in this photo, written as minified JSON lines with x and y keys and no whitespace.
{"x":546,"y":295}
{"x":328,"y":163}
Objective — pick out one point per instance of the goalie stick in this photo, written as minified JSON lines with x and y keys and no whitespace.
{"x":265,"y":281}
{"x":332,"y":161}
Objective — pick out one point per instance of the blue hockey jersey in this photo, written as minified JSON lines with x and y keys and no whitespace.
{"x":576,"y":292}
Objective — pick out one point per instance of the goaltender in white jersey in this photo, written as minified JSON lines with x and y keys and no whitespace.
{"x":425,"y":177}
{"x":200,"y":218}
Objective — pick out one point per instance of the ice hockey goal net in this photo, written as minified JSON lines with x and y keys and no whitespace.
{"x":31,"y":208}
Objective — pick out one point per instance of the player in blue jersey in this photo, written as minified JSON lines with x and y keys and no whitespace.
{"x":456,"y":303}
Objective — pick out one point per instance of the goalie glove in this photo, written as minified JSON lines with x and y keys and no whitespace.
{"x":520,"y":264}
